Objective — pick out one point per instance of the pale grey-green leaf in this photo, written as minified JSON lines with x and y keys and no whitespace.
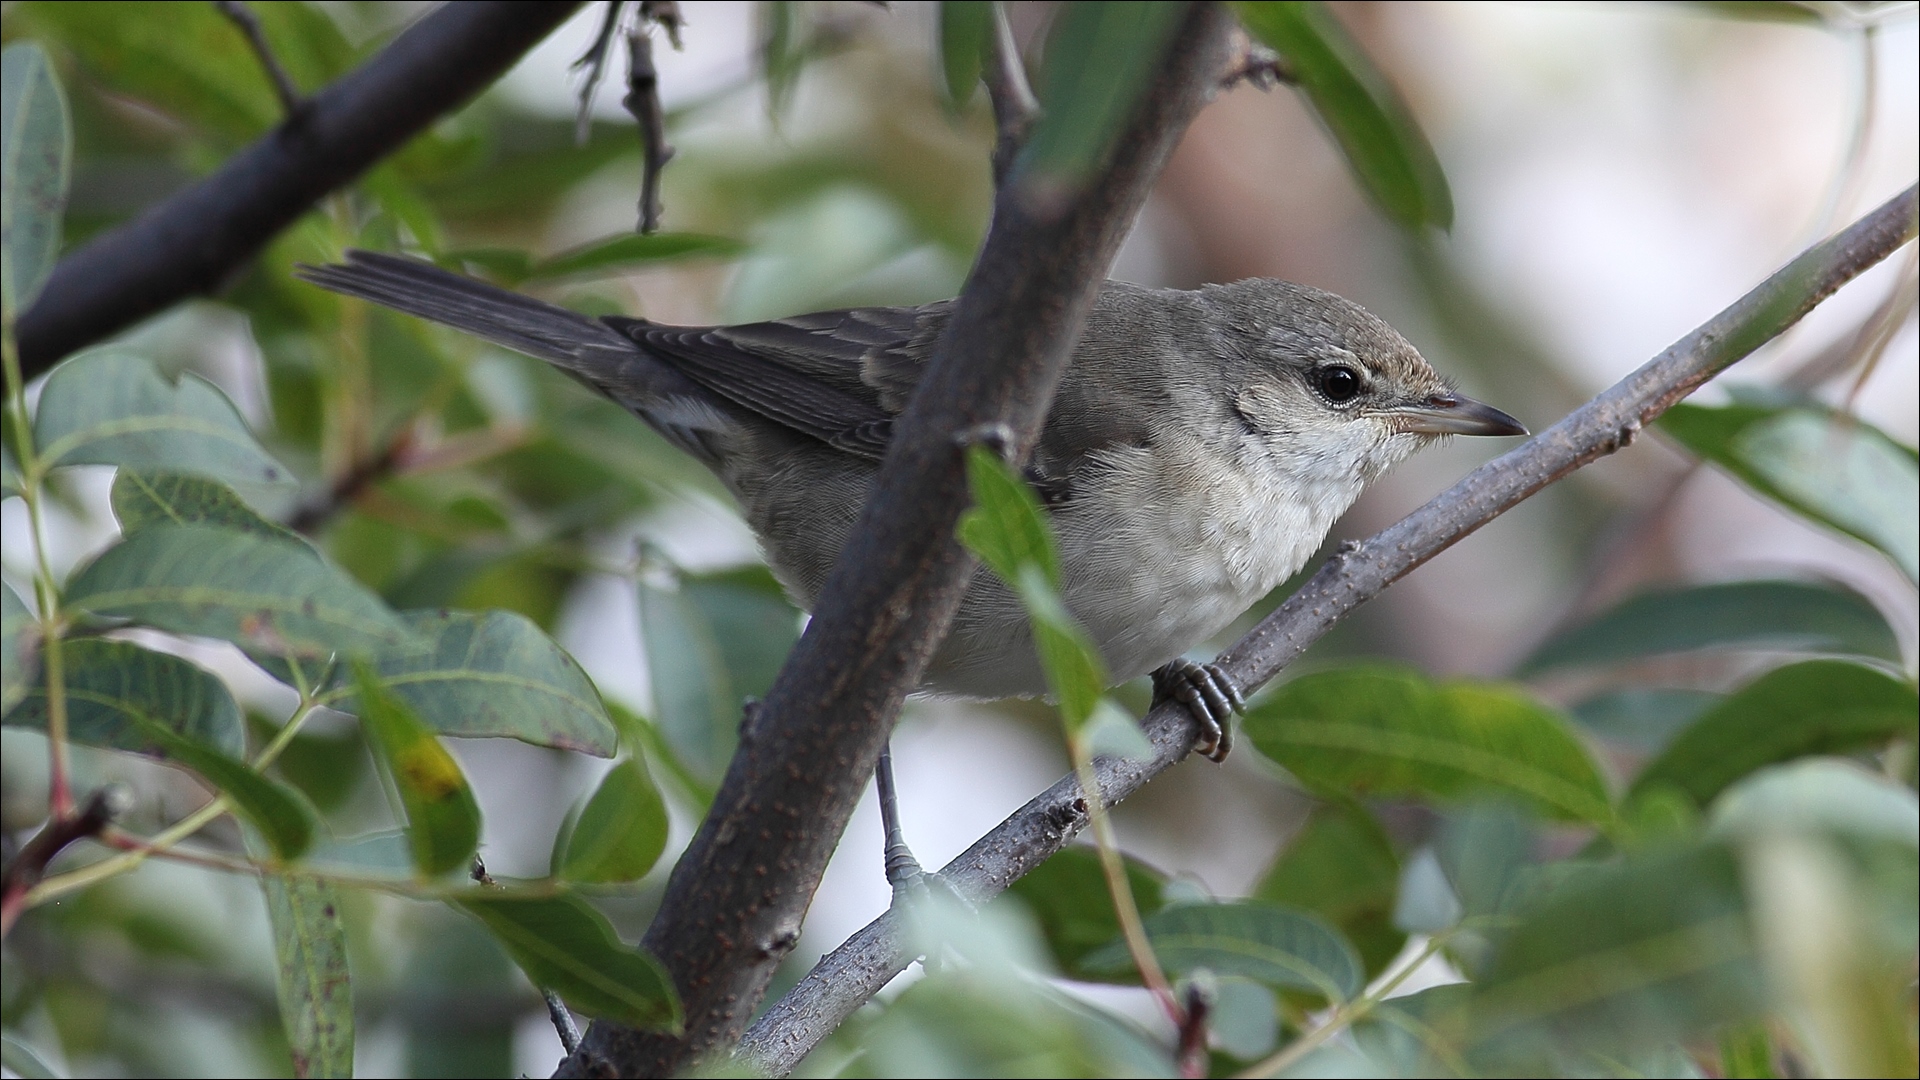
{"x":36,"y":148}
{"x":111,"y":408}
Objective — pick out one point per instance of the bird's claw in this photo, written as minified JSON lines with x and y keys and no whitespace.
{"x":1208,"y":694}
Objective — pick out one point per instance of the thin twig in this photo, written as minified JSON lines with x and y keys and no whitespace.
{"x":1261,"y":67}
{"x":350,"y":486}
{"x":594,"y":63}
{"x":242,"y":16}
{"x":30,"y":864}
{"x":563,"y":1024}
{"x":1015,"y":109}
{"x":191,"y":243}
{"x":643,"y":102}
{"x":851,"y":974}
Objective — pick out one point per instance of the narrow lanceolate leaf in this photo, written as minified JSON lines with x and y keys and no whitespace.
{"x":1788,"y":616}
{"x":1815,"y":707}
{"x":264,"y":594}
{"x":1383,"y":731}
{"x":966,"y":28}
{"x":490,"y":673}
{"x":1282,"y":947}
{"x":36,"y":146}
{"x":1623,"y":958}
{"x":1099,"y":59}
{"x":315,"y":990}
{"x":1068,"y":895}
{"x":617,"y":254}
{"x":1830,"y":468}
{"x":142,"y":498}
{"x":1005,"y":526}
{"x":111,"y":408}
{"x":1342,"y":867}
{"x":19,"y":648}
{"x":566,"y":946}
{"x":443,"y":820}
{"x":282,"y":815}
{"x":1383,"y":143}
{"x":121,"y":696}
{"x":621,"y":832}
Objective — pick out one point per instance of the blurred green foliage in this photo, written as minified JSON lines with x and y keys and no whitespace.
{"x":1658,"y":880}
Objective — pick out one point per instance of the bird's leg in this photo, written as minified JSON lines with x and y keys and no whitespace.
{"x":1209,"y":694}
{"x":903,"y":870}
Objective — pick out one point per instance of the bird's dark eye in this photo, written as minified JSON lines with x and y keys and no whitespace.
{"x":1339,"y":383}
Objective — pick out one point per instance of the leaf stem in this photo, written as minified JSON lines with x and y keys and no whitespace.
{"x":1343,"y":1017}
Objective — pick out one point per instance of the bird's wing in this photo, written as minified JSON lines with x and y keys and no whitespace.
{"x":836,"y":376}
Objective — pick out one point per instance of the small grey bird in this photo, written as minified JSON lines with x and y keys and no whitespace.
{"x":1199,"y":448}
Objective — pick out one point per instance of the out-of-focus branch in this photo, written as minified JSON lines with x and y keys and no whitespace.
{"x":30,"y":864}
{"x":643,"y":103}
{"x":1015,"y":109}
{"x":850,"y":975}
{"x":191,"y":243}
{"x":734,"y":903}
{"x":242,"y":16}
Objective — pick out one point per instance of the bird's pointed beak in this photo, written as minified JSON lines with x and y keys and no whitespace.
{"x":1454,"y":414}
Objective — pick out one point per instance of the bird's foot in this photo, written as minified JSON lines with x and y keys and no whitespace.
{"x":1209,"y":694}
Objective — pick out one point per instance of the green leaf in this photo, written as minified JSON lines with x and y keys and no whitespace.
{"x":713,"y":642}
{"x":110,"y":408}
{"x":34,"y":165}
{"x":121,"y":697}
{"x":443,"y":821}
{"x":1342,"y":867}
{"x":24,"y":1061}
{"x":1383,"y":731}
{"x":566,"y":946}
{"x":616,"y":254}
{"x":1831,"y":468}
{"x":1788,"y":616}
{"x":280,"y":813}
{"x":1384,"y":145}
{"x":621,"y":832}
{"x":1005,"y":526}
{"x":1622,"y":958}
{"x":1068,"y":895}
{"x":1281,"y":947}
{"x":143,"y":498}
{"x":1815,"y":707}
{"x":491,"y":674}
{"x":966,"y":31}
{"x":1819,"y":795}
{"x":262,"y":593}
{"x":314,"y":985}
{"x":1643,"y":718}
{"x":19,"y":648}
{"x":1100,"y":57}
{"x":782,"y":54}
{"x":1075,"y":672}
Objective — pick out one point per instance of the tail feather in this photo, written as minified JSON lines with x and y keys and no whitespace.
{"x":584,"y":347}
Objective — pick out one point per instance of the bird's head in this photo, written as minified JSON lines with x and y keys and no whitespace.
{"x":1333,"y":388}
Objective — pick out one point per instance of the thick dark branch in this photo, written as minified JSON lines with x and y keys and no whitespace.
{"x":850,"y":975}
{"x":1015,"y":110}
{"x":193,"y":242}
{"x":31,"y":863}
{"x":734,"y":903}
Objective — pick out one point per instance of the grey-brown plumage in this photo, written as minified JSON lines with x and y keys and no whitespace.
{"x":1198,"y":449}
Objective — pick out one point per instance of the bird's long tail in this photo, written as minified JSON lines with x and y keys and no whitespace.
{"x":583,"y":347}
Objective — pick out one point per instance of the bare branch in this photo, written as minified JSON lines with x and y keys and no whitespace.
{"x":1015,"y":109}
{"x":31,"y":862}
{"x":242,"y":16}
{"x":190,"y":244}
{"x":594,"y":63}
{"x":735,"y":900}
{"x":643,"y":102}
{"x":850,"y":975}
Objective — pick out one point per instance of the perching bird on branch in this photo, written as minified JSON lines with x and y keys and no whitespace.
{"x":1199,"y":447}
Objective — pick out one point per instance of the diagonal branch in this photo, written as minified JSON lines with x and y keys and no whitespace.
{"x":194,"y":241}
{"x":735,"y":900}
{"x":847,"y":977}
{"x":1015,"y":110}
